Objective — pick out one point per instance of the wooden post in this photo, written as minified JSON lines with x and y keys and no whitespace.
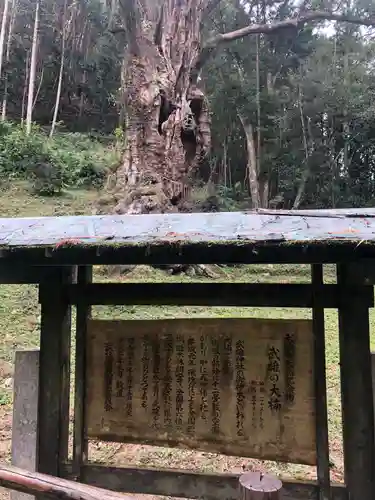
{"x":373,"y":382}
{"x":356,"y":387}
{"x":25,"y":413}
{"x":80,"y":451}
{"x":54,"y":372}
{"x":321,"y":416}
{"x":258,"y":486}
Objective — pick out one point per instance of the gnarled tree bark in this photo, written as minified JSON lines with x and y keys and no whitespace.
{"x":168,"y":124}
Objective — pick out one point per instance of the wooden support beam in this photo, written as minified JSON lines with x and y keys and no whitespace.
{"x":185,"y":484}
{"x":362,"y":272}
{"x":321,"y":414}
{"x":356,"y":390}
{"x":52,"y":487}
{"x":54,"y":373}
{"x":373,"y":381}
{"x":25,"y":413}
{"x":83,"y":312}
{"x":23,"y":274}
{"x":213,"y":294}
{"x":175,"y":252}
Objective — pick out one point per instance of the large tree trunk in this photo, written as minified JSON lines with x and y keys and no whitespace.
{"x":168,"y":126}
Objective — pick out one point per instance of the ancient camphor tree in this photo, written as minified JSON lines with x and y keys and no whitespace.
{"x":168,"y":129}
{"x":168,"y":124}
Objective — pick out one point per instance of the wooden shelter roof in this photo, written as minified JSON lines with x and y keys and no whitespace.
{"x":262,"y":236}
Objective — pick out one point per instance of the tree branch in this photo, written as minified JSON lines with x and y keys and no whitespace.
{"x":212,"y":44}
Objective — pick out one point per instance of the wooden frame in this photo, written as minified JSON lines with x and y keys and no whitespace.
{"x":214,"y":294}
{"x":175,"y":252}
{"x":24,"y":274}
{"x":352,"y":296}
{"x":80,"y":451}
{"x":356,"y":390}
{"x":321,"y":416}
{"x":186,"y":484}
{"x":25,"y":416}
{"x":317,"y":295}
{"x":146,"y":480}
{"x":54,"y":373}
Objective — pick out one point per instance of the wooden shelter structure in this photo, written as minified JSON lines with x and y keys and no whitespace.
{"x":58,"y":253}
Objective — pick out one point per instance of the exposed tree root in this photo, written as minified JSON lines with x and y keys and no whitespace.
{"x":206,"y":271}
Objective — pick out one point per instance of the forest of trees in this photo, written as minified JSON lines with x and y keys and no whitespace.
{"x":292,"y":110}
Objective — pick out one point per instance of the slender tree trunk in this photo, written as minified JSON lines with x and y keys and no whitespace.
{"x":329,"y":123}
{"x":83,"y":48}
{"x":251,"y":163}
{"x":346,"y":127}
{"x":306,"y":166}
{"x":25,"y":85}
{"x":4,"y":103}
{"x":59,"y":85}
{"x":258,"y":103}
{"x":82,"y":97}
{"x":225,"y":162}
{"x":13,"y":9}
{"x":34,"y":49}
{"x":229,"y":168}
{"x":2,"y":33}
{"x":39,"y":87}
{"x":258,"y":183}
{"x":264,"y":191}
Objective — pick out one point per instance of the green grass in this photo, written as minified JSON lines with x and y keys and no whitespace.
{"x":19,"y":317}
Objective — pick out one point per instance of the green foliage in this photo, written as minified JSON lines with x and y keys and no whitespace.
{"x":5,"y":398}
{"x":91,"y":72}
{"x":220,"y":198}
{"x":233,"y":198}
{"x":66,"y":160}
{"x":19,"y":152}
{"x":119,"y":133}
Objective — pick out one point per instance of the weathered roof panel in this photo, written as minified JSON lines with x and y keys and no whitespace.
{"x":265,"y":228}
{"x":193,"y":228}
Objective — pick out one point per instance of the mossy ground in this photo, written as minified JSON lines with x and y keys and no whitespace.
{"x":19,"y":317}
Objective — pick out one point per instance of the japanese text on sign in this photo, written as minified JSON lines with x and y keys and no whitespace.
{"x":241,"y":386}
